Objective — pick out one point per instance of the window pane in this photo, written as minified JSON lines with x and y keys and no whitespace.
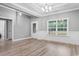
{"x":52,"y":29}
{"x":62,"y":29}
{"x":65,"y":23}
{"x":59,"y":23}
{"x":52,"y":23}
{"x":62,"y":23}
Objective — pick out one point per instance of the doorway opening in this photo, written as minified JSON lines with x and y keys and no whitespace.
{"x":5,"y":29}
{"x":34,"y":27}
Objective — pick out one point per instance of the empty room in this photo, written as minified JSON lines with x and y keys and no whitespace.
{"x":39,"y":29}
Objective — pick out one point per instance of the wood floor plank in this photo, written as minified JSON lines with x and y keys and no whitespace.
{"x":34,"y":47}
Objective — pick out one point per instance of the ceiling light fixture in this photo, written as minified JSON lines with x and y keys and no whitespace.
{"x":47,"y":8}
{"x":20,"y":13}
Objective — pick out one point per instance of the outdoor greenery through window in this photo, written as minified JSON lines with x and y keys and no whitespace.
{"x":52,"y":25}
{"x":57,"y":26}
{"x":62,"y":25}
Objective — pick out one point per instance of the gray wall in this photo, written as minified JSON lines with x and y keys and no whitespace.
{"x":73,"y":34}
{"x":73,"y":20}
{"x":20,"y":26}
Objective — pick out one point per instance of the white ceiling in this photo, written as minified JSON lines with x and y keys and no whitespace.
{"x":36,"y":8}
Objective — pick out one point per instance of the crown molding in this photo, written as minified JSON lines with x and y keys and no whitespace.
{"x":62,"y":11}
{"x":29,"y":11}
{"x":20,"y":8}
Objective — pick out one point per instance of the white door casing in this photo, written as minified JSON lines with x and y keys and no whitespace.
{"x":34,"y":22}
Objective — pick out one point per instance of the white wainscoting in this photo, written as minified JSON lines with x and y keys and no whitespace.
{"x":72,"y":37}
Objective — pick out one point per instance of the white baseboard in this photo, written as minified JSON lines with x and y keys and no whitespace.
{"x":21,"y":39}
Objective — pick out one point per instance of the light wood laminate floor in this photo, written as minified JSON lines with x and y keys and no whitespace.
{"x":34,"y":47}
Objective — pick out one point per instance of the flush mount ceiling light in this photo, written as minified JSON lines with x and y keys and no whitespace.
{"x":47,"y":8}
{"x":20,"y":13}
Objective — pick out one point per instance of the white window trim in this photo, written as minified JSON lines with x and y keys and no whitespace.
{"x":32,"y":27}
{"x":56,"y":25}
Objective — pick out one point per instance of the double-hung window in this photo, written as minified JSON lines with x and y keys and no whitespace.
{"x":58,"y":27}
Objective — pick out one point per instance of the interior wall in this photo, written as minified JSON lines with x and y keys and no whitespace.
{"x":20,"y":24}
{"x":73,"y":20}
{"x":73,"y":33}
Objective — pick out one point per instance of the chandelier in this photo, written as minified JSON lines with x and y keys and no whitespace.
{"x":47,"y":8}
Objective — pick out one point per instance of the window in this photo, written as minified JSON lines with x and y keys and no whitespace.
{"x":58,"y":27}
{"x":52,"y":27}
